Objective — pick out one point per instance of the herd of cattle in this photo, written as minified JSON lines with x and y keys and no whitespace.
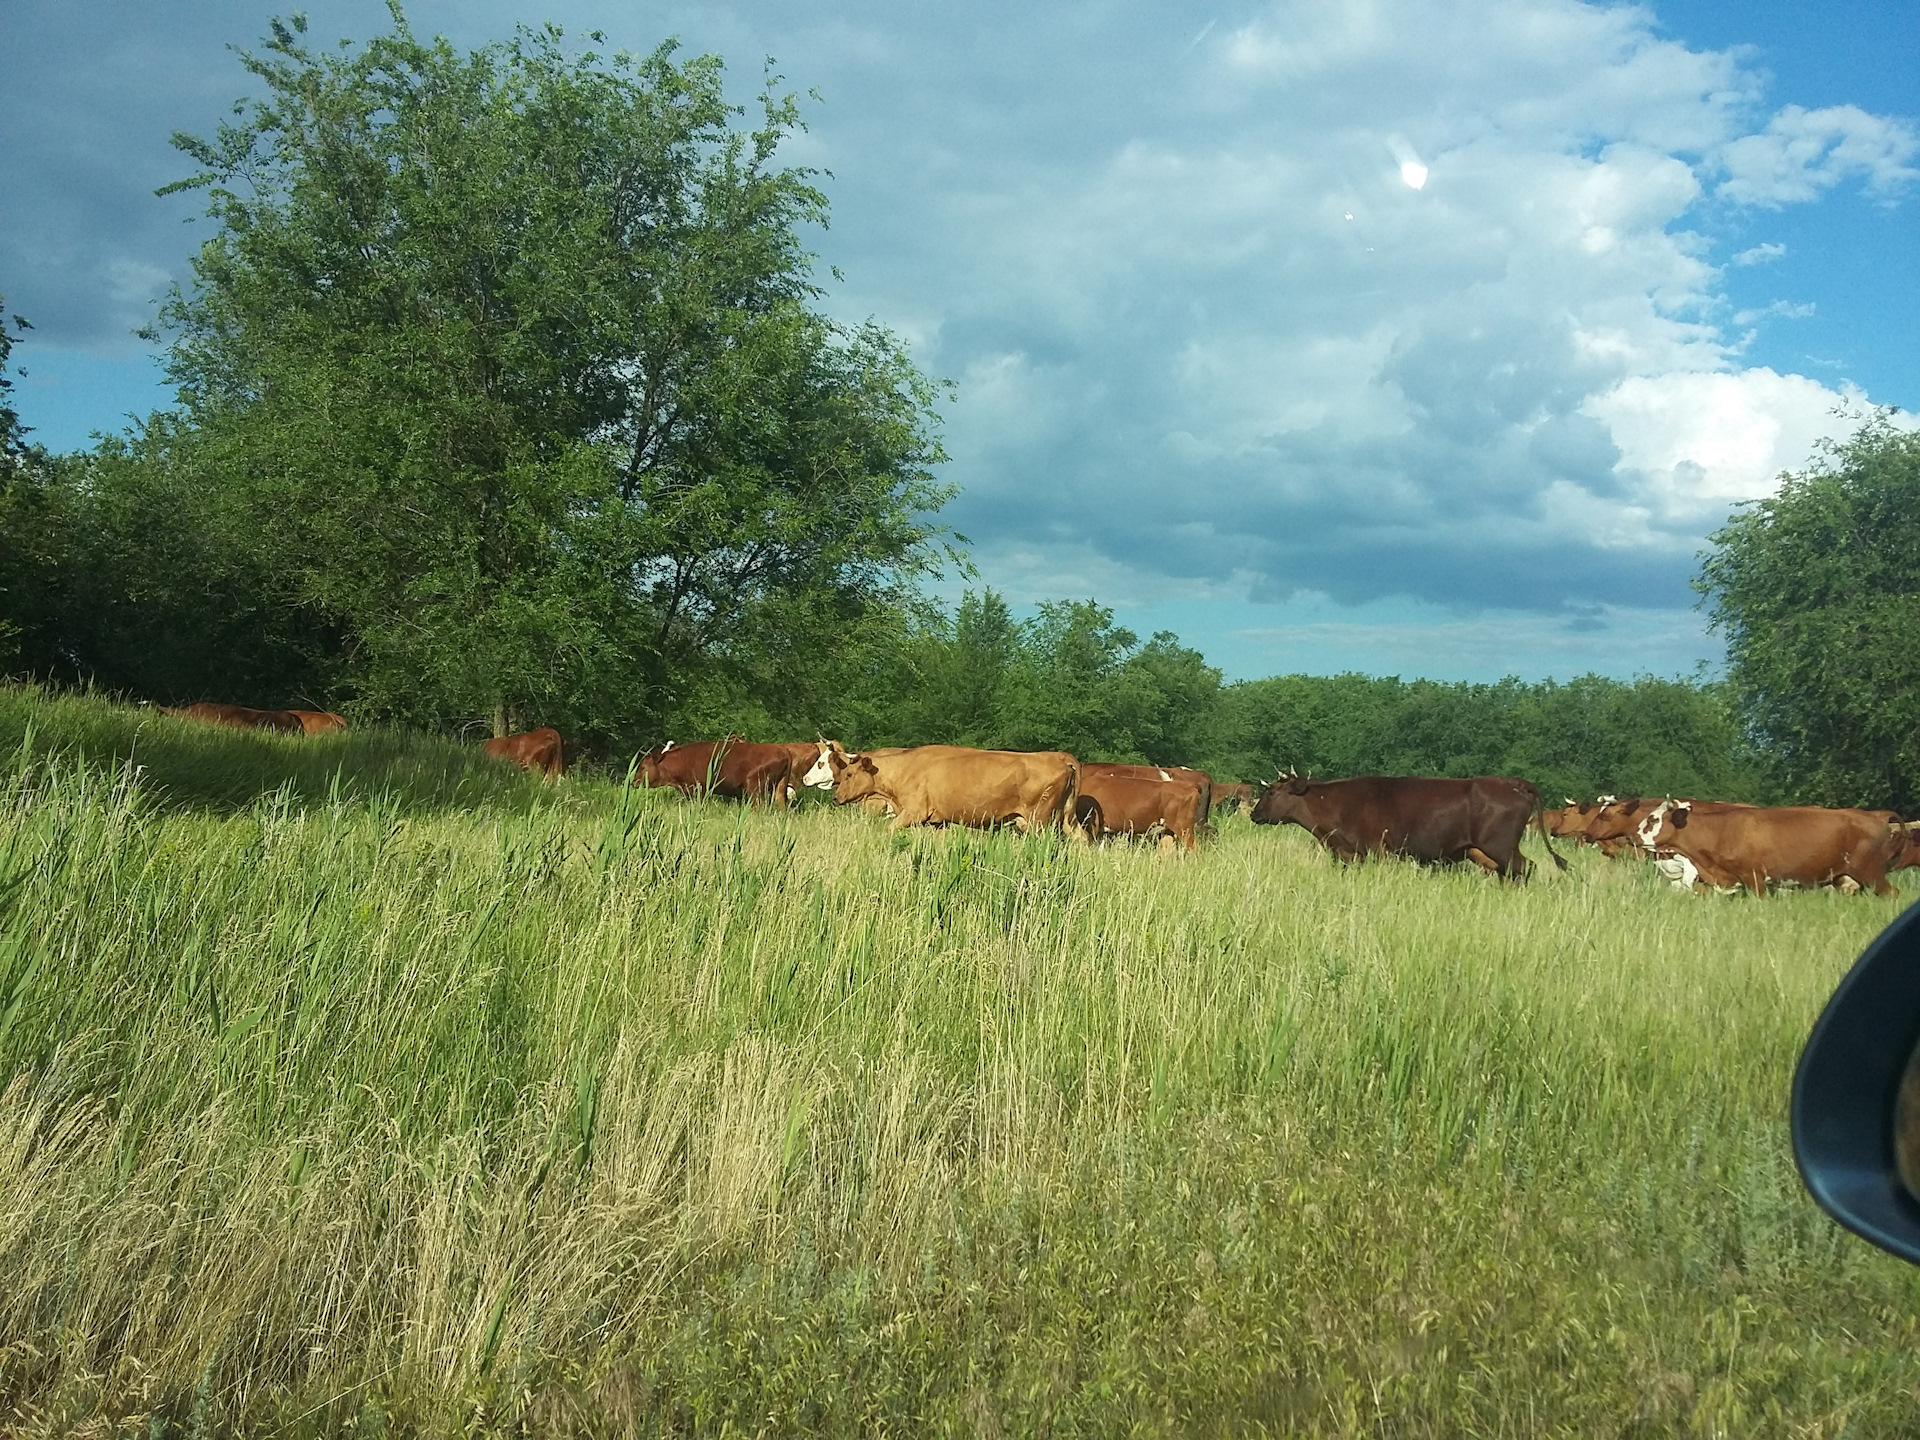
{"x":1697,"y":844}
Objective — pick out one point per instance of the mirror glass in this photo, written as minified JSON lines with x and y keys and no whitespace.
{"x":1906,"y":1126}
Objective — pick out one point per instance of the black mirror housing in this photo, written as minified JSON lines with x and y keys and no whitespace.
{"x":1846,"y":1093}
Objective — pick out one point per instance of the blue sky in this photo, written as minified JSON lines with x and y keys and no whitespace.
{"x":1218,"y":362}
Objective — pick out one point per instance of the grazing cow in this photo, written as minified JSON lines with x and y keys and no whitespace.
{"x":319,"y":722}
{"x":733,"y":769}
{"x":956,"y":785}
{"x":542,"y":750}
{"x":1727,"y":846}
{"x":239,"y":716}
{"x":1229,"y":797}
{"x":1429,"y":820}
{"x":1172,"y":810}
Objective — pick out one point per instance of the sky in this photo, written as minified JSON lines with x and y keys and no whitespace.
{"x":1419,"y":339}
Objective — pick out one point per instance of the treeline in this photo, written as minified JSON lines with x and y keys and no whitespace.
{"x":1071,"y":679}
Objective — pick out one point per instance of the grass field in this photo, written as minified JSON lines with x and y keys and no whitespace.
{"x":353,"y":1086}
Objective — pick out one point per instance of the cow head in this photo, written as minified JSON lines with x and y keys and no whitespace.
{"x":820,"y":774}
{"x":854,"y":777}
{"x":1281,"y":802}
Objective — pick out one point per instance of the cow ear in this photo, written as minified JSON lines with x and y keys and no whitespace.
{"x":1678,"y":815}
{"x":1297,"y":785}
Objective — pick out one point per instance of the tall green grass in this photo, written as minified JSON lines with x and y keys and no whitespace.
{"x":361,"y":1108}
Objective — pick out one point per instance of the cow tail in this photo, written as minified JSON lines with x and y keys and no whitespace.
{"x":1540,"y":824}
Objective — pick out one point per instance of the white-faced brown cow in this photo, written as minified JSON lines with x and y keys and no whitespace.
{"x":1146,"y":806}
{"x":956,"y":785}
{"x":1434,"y":821}
{"x":1727,"y":846}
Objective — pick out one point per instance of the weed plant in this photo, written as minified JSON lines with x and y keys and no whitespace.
{"x":403,"y":1095}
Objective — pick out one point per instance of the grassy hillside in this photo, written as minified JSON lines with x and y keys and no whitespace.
{"x":184,"y":765}
{"x":463,"y":1103}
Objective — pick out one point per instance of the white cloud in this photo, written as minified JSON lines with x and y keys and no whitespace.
{"x":1760,"y":254}
{"x":1692,"y":445}
{"x":1803,"y":152}
{"x":1779,"y":309}
{"x":1252,"y":354}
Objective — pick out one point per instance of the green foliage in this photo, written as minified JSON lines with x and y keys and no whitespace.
{"x":1588,"y":737}
{"x":586,"y":1111}
{"x":1817,"y":589}
{"x":504,"y":361}
{"x":13,"y":442}
{"x":1066,"y":679}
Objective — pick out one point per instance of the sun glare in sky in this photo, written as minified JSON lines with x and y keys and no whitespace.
{"x":1414,"y":173}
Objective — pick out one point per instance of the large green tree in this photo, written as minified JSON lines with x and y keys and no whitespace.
{"x":1817,"y":589}
{"x":511,"y":360}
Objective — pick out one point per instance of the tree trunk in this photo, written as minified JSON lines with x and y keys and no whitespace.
{"x":499,"y":717}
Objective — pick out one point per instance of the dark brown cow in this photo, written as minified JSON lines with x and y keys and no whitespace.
{"x":240,"y":717}
{"x":319,"y":722}
{"x":732,"y":769}
{"x":957,"y":785}
{"x":1140,"y":805}
{"x":1434,"y":821}
{"x":1754,"y":845}
{"x":1229,"y":797}
{"x":533,"y":750}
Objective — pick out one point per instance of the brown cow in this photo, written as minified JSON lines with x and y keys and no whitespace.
{"x":1160,"y":775}
{"x":956,"y":785}
{"x":319,"y":722}
{"x":1752,"y":845}
{"x":542,"y":750}
{"x":1229,"y":797}
{"x":1909,"y":851}
{"x":820,"y":775}
{"x":1614,"y":824}
{"x":733,"y":769}
{"x":1108,"y":804}
{"x":534,"y":749}
{"x":1570,"y":821}
{"x":803,"y":757}
{"x":240,"y":717}
{"x":1429,"y":820}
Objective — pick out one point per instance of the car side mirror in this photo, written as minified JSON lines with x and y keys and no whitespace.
{"x":1856,"y":1095}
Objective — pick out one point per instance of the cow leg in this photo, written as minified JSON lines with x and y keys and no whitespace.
{"x":1484,"y":861}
